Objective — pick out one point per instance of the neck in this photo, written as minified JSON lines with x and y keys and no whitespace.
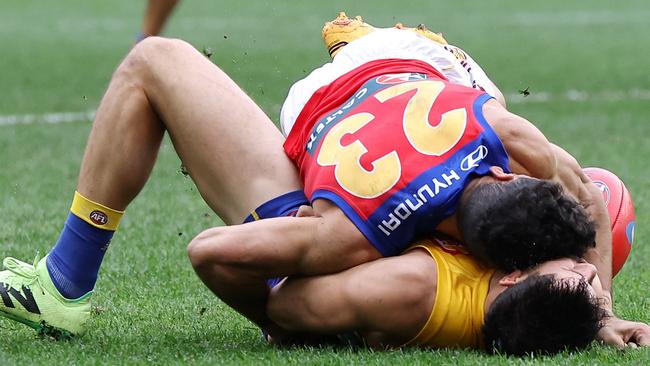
{"x":494,"y":291}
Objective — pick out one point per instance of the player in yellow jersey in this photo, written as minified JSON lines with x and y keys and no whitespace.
{"x":437,"y":296}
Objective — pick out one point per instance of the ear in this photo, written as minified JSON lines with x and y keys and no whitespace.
{"x":498,"y":174}
{"x":511,"y":278}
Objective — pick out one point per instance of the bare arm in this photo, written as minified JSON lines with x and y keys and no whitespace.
{"x":575,"y":182}
{"x":589,"y":194}
{"x":235,"y":261}
{"x":532,"y":154}
{"x":360,"y":299}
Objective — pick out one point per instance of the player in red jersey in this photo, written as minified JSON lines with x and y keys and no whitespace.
{"x":380,"y":174}
{"x":395,"y":185}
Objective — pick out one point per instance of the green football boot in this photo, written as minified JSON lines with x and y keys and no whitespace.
{"x":29,"y":296}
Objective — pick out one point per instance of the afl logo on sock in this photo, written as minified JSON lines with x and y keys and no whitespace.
{"x":98,"y":217}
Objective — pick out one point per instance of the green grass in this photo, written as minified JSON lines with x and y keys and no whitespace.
{"x":59,"y":56}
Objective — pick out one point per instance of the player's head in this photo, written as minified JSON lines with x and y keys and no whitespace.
{"x":518,"y":222}
{"x":550,"y":309}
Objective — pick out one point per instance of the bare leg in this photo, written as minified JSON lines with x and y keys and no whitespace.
{"x":234,"y":154}
{"x":232,"y":150}
{"x":230,"y":147}
{"x":156,"y":15}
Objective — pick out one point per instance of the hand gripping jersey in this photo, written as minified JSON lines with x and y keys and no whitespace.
{"x":393,"y":143}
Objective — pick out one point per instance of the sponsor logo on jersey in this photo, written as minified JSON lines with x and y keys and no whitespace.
{"x":320,"y":127}
{"x":400,"y":78}
{"x":26,"y":299}
{"x":604,"y":189}
{"x":98,"y":217}
{"x":367,"y":90}
{"x":473,"y":159}
{"x":423,"y":194}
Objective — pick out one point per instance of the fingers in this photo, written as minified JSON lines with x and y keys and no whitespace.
{"x":624,"y":333}
{"x":304,"y":211}
{"x":610,"y":337}
{"x":641,"y":335}
{"x":613,"y":340}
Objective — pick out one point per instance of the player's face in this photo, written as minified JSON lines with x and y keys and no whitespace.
{"x":572,"y":270}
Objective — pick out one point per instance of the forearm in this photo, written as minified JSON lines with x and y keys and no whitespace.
{"x":310,"y":304}
{"x":235,"y":262}
{"x":601,"y":255}
{"x":246,"y":293}
{"x":390,"y":298}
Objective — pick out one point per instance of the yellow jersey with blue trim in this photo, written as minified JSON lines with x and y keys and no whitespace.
{"x":458,"y":311}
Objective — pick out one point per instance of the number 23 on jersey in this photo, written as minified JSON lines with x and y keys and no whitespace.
{"x":421,"y":135}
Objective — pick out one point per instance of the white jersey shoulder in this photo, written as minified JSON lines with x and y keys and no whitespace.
{"x":451,"y":61}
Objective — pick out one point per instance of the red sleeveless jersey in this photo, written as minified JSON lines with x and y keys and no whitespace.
{"x":393,"y":144}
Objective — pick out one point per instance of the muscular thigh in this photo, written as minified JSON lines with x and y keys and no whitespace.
{"x":230,"y":147}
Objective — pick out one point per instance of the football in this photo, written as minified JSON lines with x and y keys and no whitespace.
{"x":621,"y":213}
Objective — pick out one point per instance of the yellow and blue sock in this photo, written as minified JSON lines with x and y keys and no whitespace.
{"x":74,"y":261}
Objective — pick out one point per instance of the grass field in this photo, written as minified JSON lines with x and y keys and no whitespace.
{"x":584,"y":63}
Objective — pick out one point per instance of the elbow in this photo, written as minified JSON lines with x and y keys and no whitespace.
{"x":226,"y":247}
{"x":205,"y":249}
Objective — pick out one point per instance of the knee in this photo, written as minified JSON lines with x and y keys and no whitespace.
{"x":151,"y":53}
{"x":155,"y":48}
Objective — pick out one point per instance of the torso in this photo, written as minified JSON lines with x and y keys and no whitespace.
{"x":393,"y":144}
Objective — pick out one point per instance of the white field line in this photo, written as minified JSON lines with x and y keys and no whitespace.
{"x":579,"y":18}
{"x":578,"y":96}
{"x":572,"y":95}
{"x":53,"y":118}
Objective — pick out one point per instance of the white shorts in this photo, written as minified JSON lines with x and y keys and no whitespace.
{"x":455,"y":64}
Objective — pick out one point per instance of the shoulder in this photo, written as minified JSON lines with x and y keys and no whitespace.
{"x":529,"y":150}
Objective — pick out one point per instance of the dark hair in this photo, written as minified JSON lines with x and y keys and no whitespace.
{"x":523,"y":222}
{"x":542,"y":315}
